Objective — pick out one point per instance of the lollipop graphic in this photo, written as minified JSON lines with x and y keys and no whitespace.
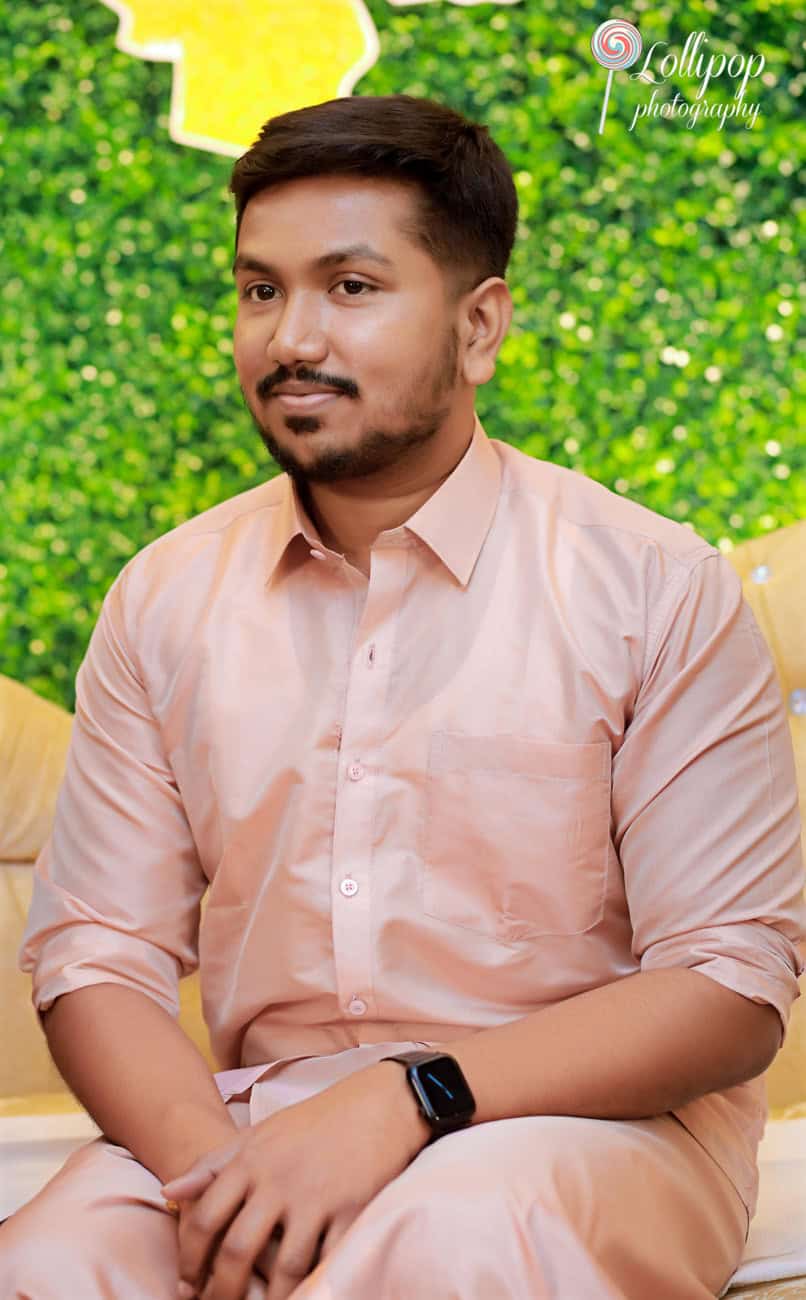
{"x":615,"y":44}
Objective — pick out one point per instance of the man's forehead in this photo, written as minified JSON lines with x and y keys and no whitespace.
{"x":318,"y":246}
{"x":382,"y":210}
{"x":361,"y":251}
{"x":387,"y":192}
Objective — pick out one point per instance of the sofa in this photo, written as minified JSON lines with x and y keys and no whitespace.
{"x":40,"y":1120}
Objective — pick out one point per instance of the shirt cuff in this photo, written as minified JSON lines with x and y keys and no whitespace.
{"x":93,"y":954}
{"x":750,"y":958}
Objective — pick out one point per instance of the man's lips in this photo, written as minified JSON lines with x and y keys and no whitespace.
{"x":306,"y":401}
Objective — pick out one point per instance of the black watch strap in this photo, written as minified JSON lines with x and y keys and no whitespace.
{"x":413,"y":1058}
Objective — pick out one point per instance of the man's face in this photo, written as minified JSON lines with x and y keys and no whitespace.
{"x":378,"y":332}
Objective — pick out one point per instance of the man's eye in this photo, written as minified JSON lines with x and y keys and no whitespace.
{"x":359,"y":284}
{"x":248,"y":292}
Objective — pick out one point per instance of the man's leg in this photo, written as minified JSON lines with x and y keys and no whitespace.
{"x":545,"y":1207}
{"x":97,"y":1229}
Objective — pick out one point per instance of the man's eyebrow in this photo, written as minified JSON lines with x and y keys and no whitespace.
{"x":353,"y":252}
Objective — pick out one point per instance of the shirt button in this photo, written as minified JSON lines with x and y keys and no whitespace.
{"x":349,"y":887}
{"x":357,"y":1007}
{"x":355,"y":771}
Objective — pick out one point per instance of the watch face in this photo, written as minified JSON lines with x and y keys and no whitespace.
{"x":445,"y":1088}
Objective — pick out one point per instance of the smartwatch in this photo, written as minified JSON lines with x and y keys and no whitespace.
{"x":440,"y":1090}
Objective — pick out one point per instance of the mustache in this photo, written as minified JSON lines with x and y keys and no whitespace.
{"x":270,"y":382}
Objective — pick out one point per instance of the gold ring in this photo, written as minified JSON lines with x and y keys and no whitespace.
{"x":172,"y":1207}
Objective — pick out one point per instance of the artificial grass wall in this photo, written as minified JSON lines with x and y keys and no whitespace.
{"x":657,"y":281}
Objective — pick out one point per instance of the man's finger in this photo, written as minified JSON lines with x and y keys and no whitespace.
{"x":189,"y":1186}
{"x":265,"y":1260}
{"x":203,"y":1224}
{"x":256,"y":1289}
{"x":298,"y":1249}
{"x":237,"y":1252}
{"x":335,"y":1233}
{"x":195,"y":1179}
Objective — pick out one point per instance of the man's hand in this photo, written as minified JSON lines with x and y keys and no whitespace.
{"x":302,"y":1175}
{"x":256,"y":1286}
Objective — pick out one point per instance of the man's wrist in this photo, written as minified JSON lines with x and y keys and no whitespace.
{"x":191,"y":1133}
{"x":403,"y":1104}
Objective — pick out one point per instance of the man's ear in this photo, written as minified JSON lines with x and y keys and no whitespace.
{"x":487,"y":317}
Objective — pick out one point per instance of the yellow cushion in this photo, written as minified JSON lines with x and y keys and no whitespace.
{"x":29,"y":1068}
{"x":40,"y":1103}
{"x":773,"y":574}
{"x":34,"y":735}
{"x":25,"y":1064}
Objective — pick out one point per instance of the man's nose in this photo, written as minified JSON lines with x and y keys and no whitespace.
{"x":298,"y":336}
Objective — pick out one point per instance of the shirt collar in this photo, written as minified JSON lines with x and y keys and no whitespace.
{"x":453,"y":522}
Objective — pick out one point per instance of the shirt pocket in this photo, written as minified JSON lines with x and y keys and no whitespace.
{"x":516,"y":835}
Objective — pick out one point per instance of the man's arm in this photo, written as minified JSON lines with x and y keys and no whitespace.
{"x":117,"y":890}
{"x":143,"y":1081}
{"x":641,"y":1046}
{"x":707,"y":831}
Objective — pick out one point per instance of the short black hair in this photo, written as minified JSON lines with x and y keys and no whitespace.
{"x":467,"y":203}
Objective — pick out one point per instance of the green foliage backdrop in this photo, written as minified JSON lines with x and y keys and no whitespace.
{"x":656,"y":278}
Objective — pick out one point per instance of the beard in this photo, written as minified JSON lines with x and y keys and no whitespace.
{"x":424,"y":406}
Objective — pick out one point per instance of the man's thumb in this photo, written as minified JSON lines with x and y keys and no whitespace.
{"x":194,"y":1181}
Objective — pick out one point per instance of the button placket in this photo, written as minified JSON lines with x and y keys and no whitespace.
{"x":361,"y":736}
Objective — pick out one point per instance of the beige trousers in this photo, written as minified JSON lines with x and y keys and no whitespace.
{"x":516,"y":1209}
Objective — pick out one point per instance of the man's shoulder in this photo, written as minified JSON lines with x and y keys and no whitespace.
{"x":205,"y":532}
{"x":579,"y":502}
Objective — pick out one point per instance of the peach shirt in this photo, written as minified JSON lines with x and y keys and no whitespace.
{"x":541,"y":748}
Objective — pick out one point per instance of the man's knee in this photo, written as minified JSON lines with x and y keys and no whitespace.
{"x":46,"y":1265}
{"x":97,"y":1228}
{"x":550,"y":1160}
{"x":450,"y":1222}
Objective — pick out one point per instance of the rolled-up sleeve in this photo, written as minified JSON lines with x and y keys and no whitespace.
{"x":118,"y":883}
{"x":705,"y":803}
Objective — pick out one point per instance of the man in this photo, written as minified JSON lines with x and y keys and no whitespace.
{"x":476,"y":758}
